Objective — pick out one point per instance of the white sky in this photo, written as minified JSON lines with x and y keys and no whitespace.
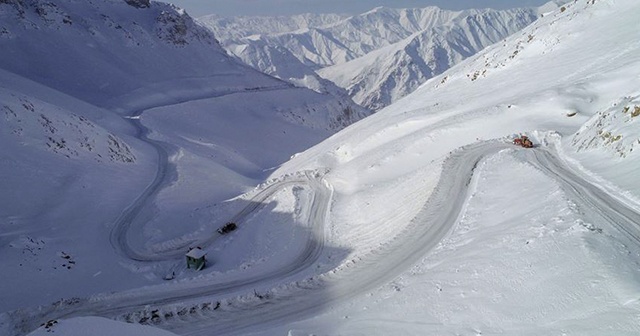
{"x":285,"y":7}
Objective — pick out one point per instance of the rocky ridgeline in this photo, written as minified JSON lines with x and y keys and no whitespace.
{"x":59,"y":131}
{"x":173,"y":26}
{"x":139,"y":3}
{"x":614,"y":129}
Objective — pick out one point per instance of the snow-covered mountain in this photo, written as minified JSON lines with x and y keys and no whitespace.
{"x":110,"y":53}
{"x":336,"y":42}
{"x":92,"y":93}
{"x":242,"y":26}
{"x":378,"y":57}
{"x":382,"y":77}
{"x":423,"y":218}
{"x":271,"y":58}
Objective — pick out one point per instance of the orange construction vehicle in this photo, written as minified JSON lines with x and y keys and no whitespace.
{"x":523,"y":141}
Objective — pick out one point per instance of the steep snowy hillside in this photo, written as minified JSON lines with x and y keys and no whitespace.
{"x":614,"y":129}
{"x":403,"y":47}
{"x":547,"y":239}
{"x":125,"y":56}
{"x":607,"y":144}
{"x":61,"y":132}
{"x":70,"y":168}
{"x":109,"y":52}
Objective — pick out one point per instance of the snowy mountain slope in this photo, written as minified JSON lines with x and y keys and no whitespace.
{"x":111,"y":53}
{"x":607,"y":146}
{"x":76,"y":82}
{"x":52,"y":142}
{"x":61,"y":159}
{"x":61,"y":132}
{"x":613,"y":129}
{"x":107,"y":51}
{"x":407,"y":232}
{"x":425,"y":43}
{"x":388,"y":74}
{"x":549,"y":68}
{"x":281,"y":63}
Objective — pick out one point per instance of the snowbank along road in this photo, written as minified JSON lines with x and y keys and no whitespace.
{"x":293,"y":300}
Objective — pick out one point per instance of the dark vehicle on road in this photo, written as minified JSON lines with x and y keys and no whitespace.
{"x":227,"y":228}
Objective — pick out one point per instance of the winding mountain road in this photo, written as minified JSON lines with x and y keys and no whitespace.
{"x":165,"y":174}
{"x":426,"y":230}
{"x":304,"y":298}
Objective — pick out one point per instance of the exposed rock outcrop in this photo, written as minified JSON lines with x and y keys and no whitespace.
{"x":135,"y":3}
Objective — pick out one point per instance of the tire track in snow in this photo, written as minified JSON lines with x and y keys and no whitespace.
{"x":594,"y":199}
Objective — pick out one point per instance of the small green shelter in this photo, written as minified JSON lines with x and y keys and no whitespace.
{"x":196,"y":259}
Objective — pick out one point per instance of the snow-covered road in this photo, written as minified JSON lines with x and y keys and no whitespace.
{"x":298,"y":298}
{"x":594,"y":202}
{"x":165,"y":174}
{"x":427,"y":229}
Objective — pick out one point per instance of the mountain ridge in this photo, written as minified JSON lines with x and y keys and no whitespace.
{"x":330,"y":47}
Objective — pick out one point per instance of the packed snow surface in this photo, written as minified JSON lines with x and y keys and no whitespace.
{"x":420,"y":219}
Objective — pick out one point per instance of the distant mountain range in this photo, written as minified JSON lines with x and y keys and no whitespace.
{"x":378,"y":56}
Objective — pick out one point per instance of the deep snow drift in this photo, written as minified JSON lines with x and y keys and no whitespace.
{"x":388,"y":226}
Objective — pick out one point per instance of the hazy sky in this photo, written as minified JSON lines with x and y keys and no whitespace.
{"x":285,"y":7}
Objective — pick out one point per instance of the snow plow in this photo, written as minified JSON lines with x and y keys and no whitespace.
{"x":523,"y":141}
